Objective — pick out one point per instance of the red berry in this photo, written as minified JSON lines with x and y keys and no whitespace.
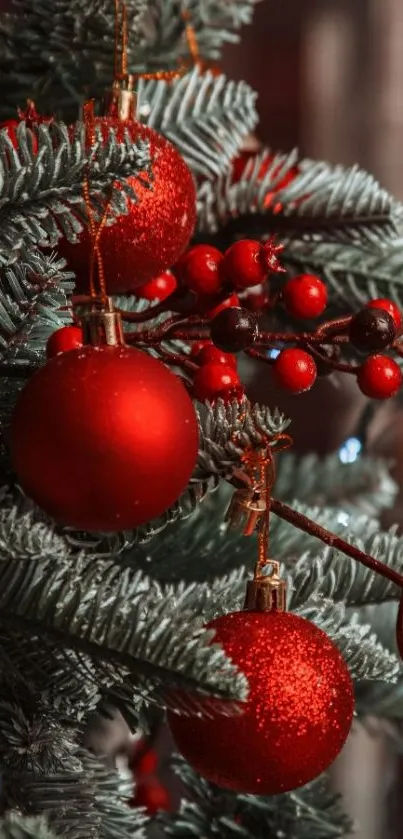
{"x":158,"y":288}
{"x":213,"y":380}
{"x":153,"y":796}
{"x":305,"y":296}
{"x":64,"y":339}
{"x":255,"y":299}
{"x":244,"y":264}
{"x":295,"y":370}
{"x":379,"y":377}
{"x":388,"y":306}
{"x":212,"y":355}
{"x":231,"y":302}
{"x":198,"y":270}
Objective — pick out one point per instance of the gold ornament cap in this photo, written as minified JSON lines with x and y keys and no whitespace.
{"x":266,"y":594}
{"x":102,"y":325}
{"x":121,"y":99}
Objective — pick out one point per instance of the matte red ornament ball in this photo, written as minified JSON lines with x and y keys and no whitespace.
{"x":244,"y":264}
{"x":388,"y":306}
{"x":198,"y":270}
{"x":104,"y":439}
{"x":156,"y":229}
{"x":159,"y":288}
{"x":213,"y":380}
{"x":295,"y":370}
{"x":379,"y":377}
{"x":305,"y":296}
{"x":64,"y":339}
{"x":297,"y":715}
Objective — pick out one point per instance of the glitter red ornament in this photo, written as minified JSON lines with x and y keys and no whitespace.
{"x":305,"y":296}
{"x":104,"y":438}
{"x":295,"y":370}
{"x":153,"y":234}
{"x":297,"y":715}
{"x":379,"y":377}
{"x":64,"y":339}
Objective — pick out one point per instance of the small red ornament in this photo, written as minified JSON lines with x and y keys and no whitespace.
{"x":198,"y":270}
{"x":295,"y":370}
{"x":64,"y":339}
{"x":232,"y":302}
{"x":212,"y":355}
{"x":153,"y":796}
{"x":156,"y":229}
{"x":158,"y":288}
{"x":388,"y":306}
{"x":213,"y":381}
{"x":297,"y":715}
{"x":305,"y":296}
{"x":247,"y":263}
{"x":379,"y":377}
{"x":104,"y":438}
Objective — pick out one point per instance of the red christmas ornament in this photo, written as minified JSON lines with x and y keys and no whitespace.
{"x":158,"y":288}
{"x":297,"y":715}
{"x":157,"y":228}
{"x":247,"y":263}
{"x":198,"y":270}
{"x":295,"y":370}
{"x":212,"y":355}
{"x":213,"y":381}
{"x":305,"y":296}
{"x":104,"y":438}
{"x":151,"y":795}
{"x":379,"y":377}
{"x":388,"y":306}
{"x":64,"y":339}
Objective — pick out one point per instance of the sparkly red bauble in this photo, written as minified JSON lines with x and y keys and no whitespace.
{"x":64,"y":339}
{"x":297,"y":715}
{"x":104,"y":439}
{"x":156,"y":229}
{"x":379,"y":377}
{"x":295,"y":370}
{"x":159,"y":288}
{"x":388,"y":306}
{"x":198,"y":270}
{"x":305,"y":296}
{"x":213,"y":380}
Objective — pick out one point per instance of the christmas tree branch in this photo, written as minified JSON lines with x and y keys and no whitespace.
{"x":206,"y":116}
{"x":41,"y":193}
{"x":20,"y":827}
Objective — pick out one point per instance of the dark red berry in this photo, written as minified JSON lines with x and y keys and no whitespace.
{"x":64,"y":339}
{"x":305,"y":296}
{"x":379,"y":377}
{"x":388,"y":306}
{"x":233,"y":330}
{"x":198,"y":270}
{"x":214,"y":380}
{"x":159,"y":288}
{"x":232,"y":302}
{"x":244,"y":264}
{"x":153,"y":796}
{"x":295,"y":370}
{"x":372,"y":329}
{"x":212,"y":355}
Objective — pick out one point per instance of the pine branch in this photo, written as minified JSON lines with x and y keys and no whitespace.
{"x":62,"y":55}
{"x":41,"y":190}
{"x":344,"y":205}
{"x":311,"y":813}
{"x":207,"y":117}
{"x":18,"y":827}
{"x":114,"y":626}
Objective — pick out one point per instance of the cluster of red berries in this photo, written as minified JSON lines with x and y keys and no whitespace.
{"x":217,"y":376}
{"x":150,"y":793}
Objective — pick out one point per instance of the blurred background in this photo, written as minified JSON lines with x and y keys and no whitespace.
{"x":329,"y":75}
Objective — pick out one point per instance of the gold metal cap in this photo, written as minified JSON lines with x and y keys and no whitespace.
{"x":121,"y":100}
{"x":102,"y":325}
{"x":266,"y":594}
